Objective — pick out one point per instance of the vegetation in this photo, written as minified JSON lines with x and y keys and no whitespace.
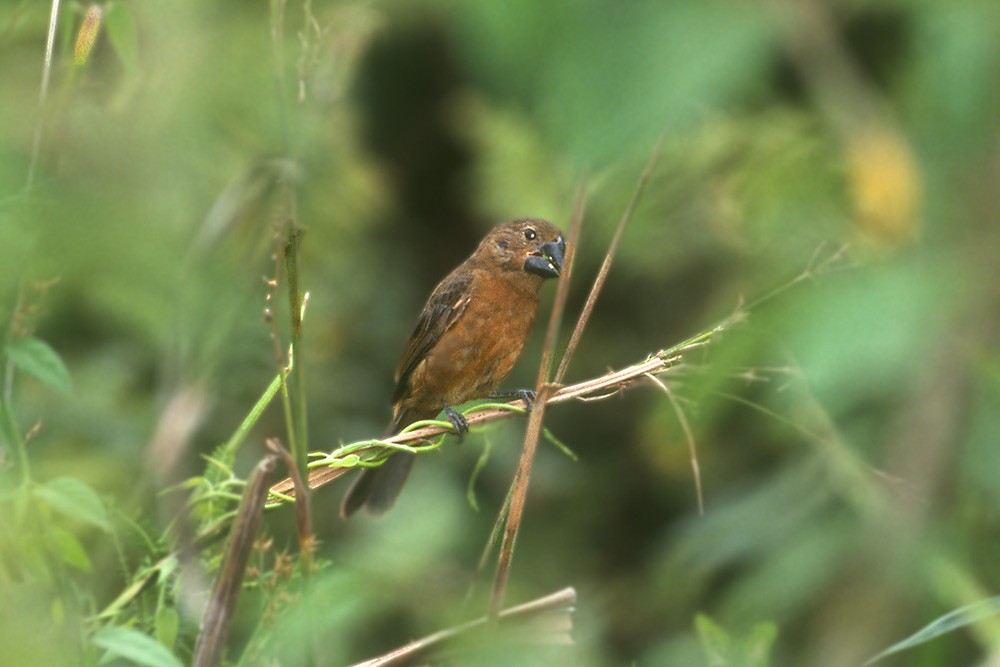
{"x":219,"y":220}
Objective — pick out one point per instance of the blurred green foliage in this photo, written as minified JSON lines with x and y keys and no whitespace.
{"x":840,"y":157}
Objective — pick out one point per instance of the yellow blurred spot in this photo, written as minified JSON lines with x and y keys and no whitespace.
{"x":87,"y":37}
{"x":885,"y":186}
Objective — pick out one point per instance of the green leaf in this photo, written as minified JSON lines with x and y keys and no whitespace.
{"x":163,"y":569}
{"x":715,"y":641}
{"x":32,"y":555}
{"x":136,"y":646}
{"x":560,"y":445}
{"x":122,"y":33}
{"x":68,"y":548}
{"x":127,"y":595}
{"x":950,"y":622}
{"x":757,"y":647}
{"x":74,"y":499}
{"x":721,"y":649}
{"x":167,"y":623}
{"x":36,"y":358}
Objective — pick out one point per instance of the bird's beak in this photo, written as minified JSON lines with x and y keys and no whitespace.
{"x":547,"y":259}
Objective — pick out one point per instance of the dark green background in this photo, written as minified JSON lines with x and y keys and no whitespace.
{"x":851,"y":498}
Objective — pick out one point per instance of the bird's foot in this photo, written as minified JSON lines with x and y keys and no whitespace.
{"x":458,"y":421}
{"x":526,"y":395}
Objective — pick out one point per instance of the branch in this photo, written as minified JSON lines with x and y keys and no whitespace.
{"x":36,"y":144}
{"x":510,"y":515}
{"x":303,"y":513}
{"x":368,"y":453}
{"x":219,"y":609}
{"x":548,"y":619}
{"x":602,"y":274}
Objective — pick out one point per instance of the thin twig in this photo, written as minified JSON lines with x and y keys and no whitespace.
{"x":340,"y":461}
{"x":543,"y":390}
{"x":813,"y":269}
{"x":491,"y":542}
{"x":516,"y":510}
{"x":8,"y":371}
{"x":303,"y":511}
{"x":332,"y":465}
{"x":296,"y":305}
{"x":688,"y":435}
{"x":602,"y":275}
{"x":559,"y":604}
{"x":278,"y":53}
{"x":284,"y":363}
{"x":576,"y":224}
{"x":43,"y":94}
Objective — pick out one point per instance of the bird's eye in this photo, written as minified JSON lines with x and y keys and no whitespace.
{"x":503,"y":245}
{"x":530,"y":234}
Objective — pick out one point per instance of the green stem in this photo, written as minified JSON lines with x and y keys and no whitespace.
{"x":8,"y":428}
{"x":237,"y":438}
{"x":286,"y":408}
{"x":8,"y":365}
{"x":300,"y":446}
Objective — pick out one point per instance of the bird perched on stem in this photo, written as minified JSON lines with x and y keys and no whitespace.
{"x":468,"y":337}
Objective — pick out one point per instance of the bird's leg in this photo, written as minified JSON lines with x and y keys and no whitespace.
{"x":526,"y":395}
{"x":457,"y":419}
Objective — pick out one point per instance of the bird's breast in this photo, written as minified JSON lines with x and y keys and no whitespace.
{"x":480,"y":349}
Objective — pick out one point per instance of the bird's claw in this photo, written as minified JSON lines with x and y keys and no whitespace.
{"x":458,"y":421}
{"x":526,"y":395}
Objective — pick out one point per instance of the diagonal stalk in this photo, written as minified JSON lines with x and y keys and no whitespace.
{"x":543,"y":390}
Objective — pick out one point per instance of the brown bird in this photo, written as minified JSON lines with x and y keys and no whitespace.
{"x":466,"y":341}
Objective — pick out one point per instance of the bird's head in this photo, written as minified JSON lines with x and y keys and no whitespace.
{"x":528,"y":245}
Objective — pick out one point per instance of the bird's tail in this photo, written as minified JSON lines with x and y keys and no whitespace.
{"x":376,"y":489}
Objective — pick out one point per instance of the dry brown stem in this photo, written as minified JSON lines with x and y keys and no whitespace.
{"x":511,"y":514}
{"x":218,"y":611}
{"x":606,"y":385}
{"x":609,"y":256}
{"x":547,"y":619}
{"x":303,"y":511}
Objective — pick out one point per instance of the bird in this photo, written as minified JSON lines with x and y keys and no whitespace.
{"x":466,"y":340}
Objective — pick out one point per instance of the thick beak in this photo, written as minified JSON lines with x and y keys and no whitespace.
{"x":547,"y":259}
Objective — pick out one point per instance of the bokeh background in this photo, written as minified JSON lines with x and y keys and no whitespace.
{"x":841,"y":159}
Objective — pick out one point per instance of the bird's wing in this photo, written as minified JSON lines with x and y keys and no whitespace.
{"x":443,"y":309}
